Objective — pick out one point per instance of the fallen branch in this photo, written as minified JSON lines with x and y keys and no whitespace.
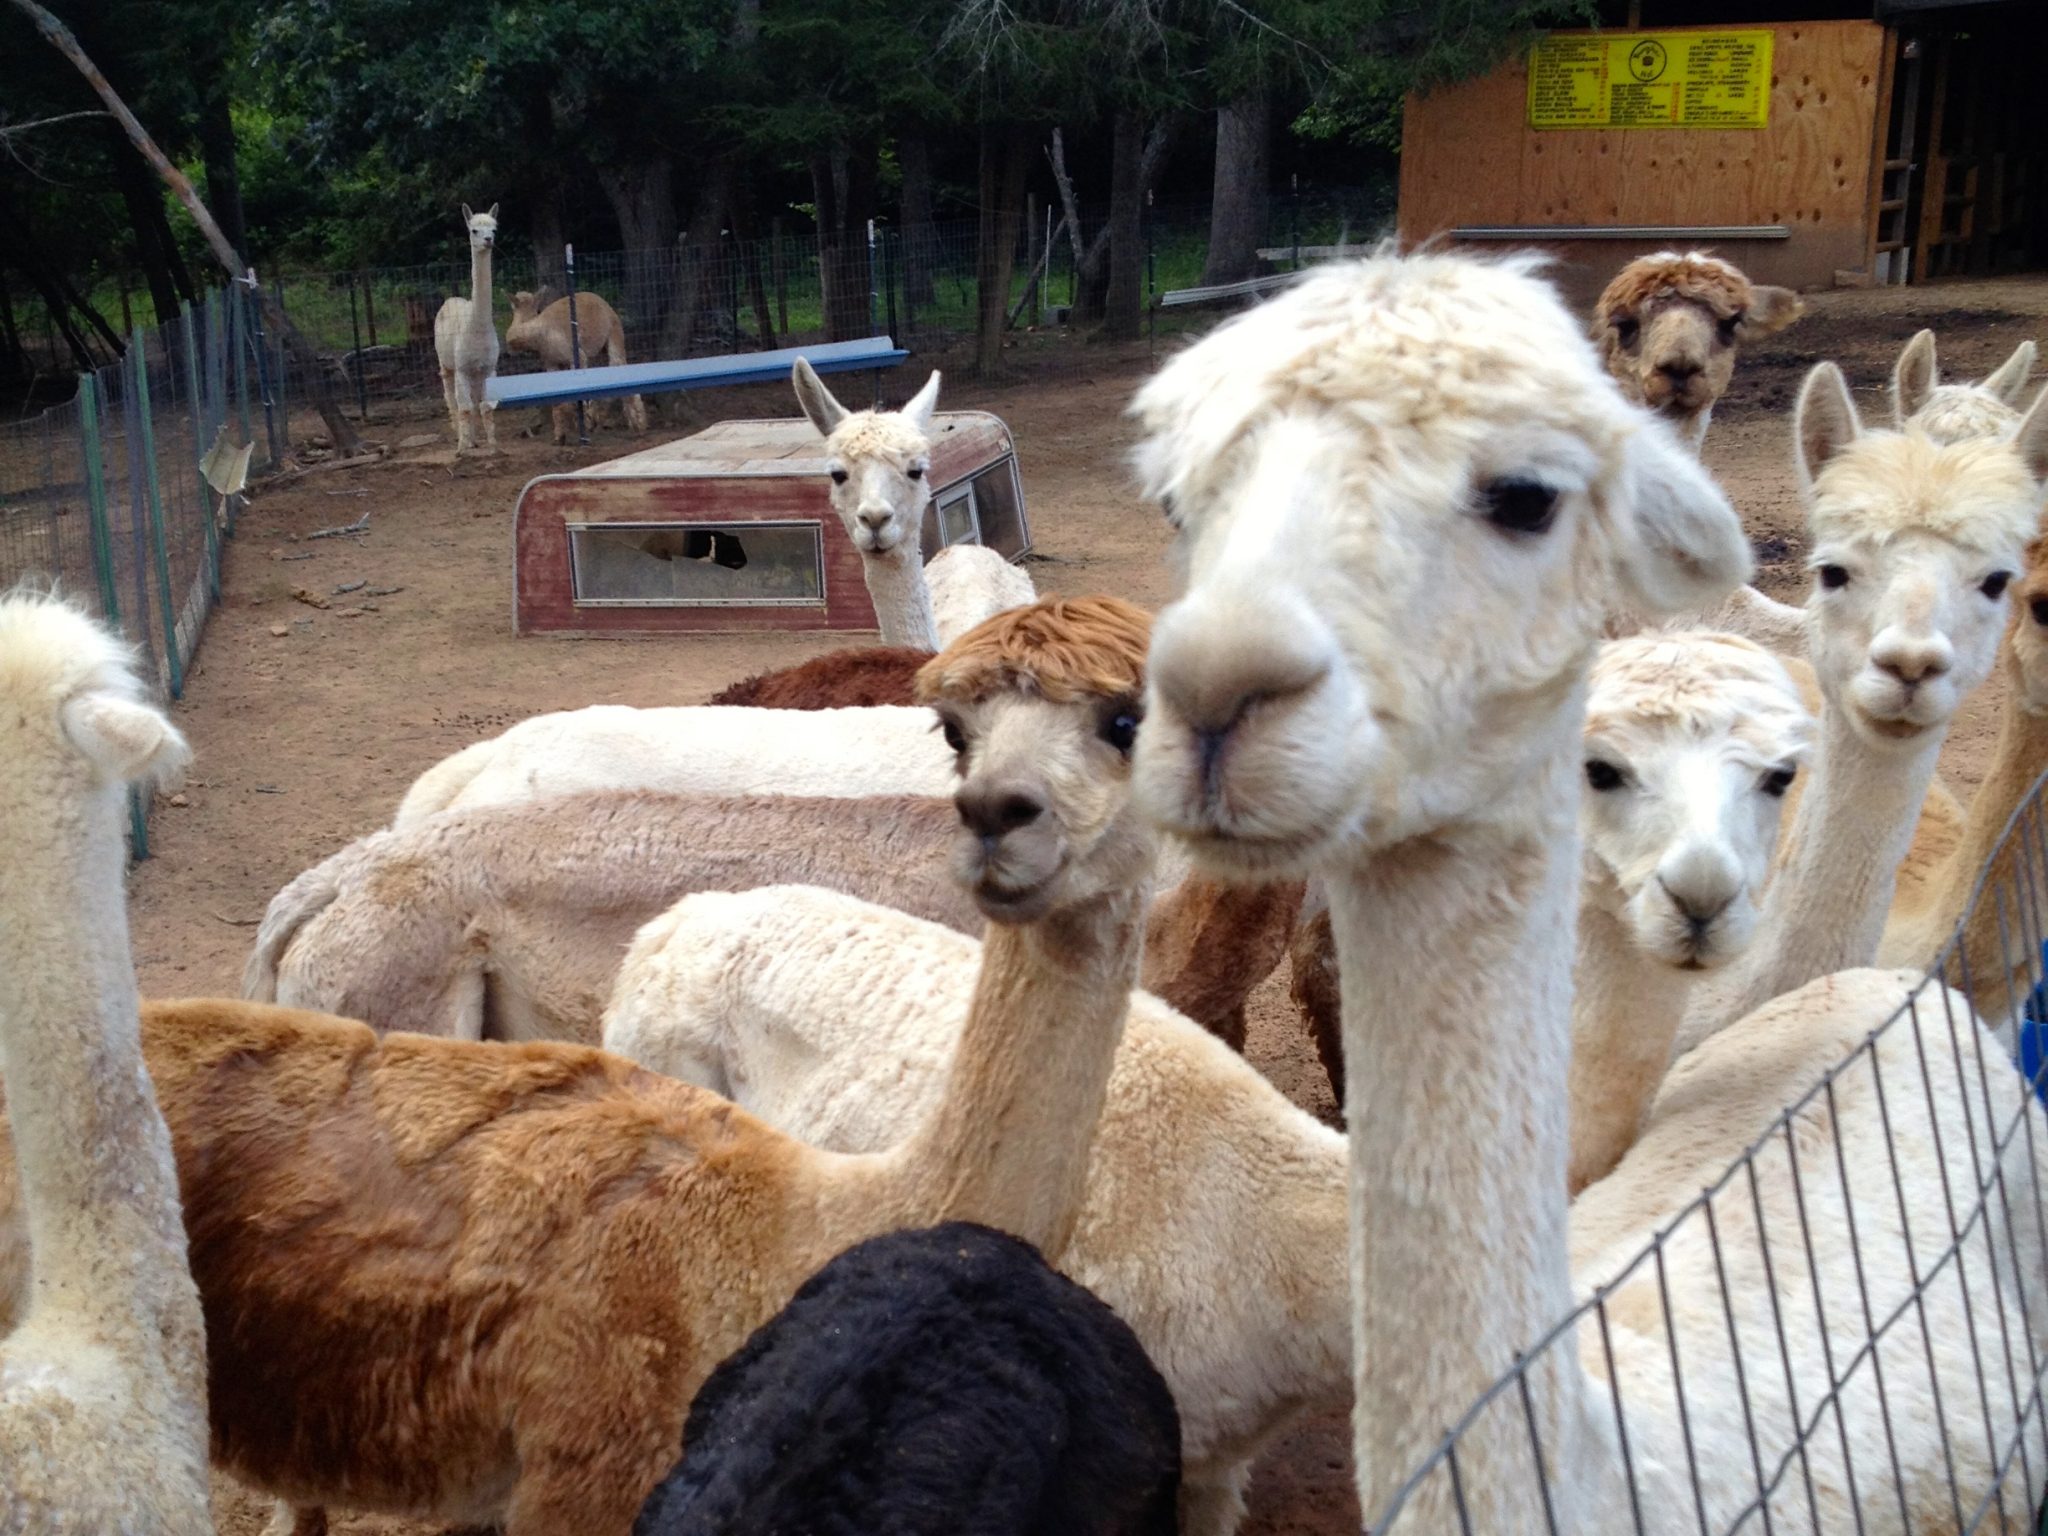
{"x":1031,"y":280}
{"x":360,"y":525}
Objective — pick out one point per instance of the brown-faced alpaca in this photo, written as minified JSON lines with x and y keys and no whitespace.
{"x":481,"y":1283}
{"x":1669,"y":326}
{"x":542,"y":329}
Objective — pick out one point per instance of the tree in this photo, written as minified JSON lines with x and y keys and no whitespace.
{"x":1239,"y":199}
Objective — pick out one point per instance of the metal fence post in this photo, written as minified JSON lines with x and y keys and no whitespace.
{"x":173,"y":662}
{"x":356,"y":330}
{"x":575,"y":335}
{"x":196,"y":400}
{"x":103,"y":562}
{"x":259,"y":348}
{"x":238,"y":332}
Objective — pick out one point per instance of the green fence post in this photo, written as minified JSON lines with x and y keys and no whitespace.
{"x":138,"y":349}
{"x":196,"y":401}
{"x":103,"y":561}
{"x":238,"y":326}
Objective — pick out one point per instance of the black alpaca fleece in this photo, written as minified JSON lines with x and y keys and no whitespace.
{"x":945,"y":1382}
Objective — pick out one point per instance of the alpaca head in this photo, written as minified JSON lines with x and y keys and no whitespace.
{"x":73,"y":704}
{"x":1692,"y":740}
{"x":2030,"y":630}
{"x":1406,"y":497}
{"x":880,"y":463}
{"x":1041,"y":706}
{"x":1669,"y":327}
{"x":1914,"y":543}
{"x":1949,"y":413}
{"x":482,"y":227}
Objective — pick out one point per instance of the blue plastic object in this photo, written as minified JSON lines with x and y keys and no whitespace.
{"x":2034,"y":1034}
{"x":567,"y":384}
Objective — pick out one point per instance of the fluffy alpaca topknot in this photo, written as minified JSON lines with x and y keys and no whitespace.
{"x":885,"y":435}
{"x":1695,"y":275}
{"x":1062,"y":648}
{"x":51,"y":647}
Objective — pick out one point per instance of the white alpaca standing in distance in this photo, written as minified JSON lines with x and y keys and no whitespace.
{"x":103,"y":1384}
{"x":466,"y":341}
{"x":880,"y":463}
{"x":834,"y":1020}
{"x":1407,"y":499}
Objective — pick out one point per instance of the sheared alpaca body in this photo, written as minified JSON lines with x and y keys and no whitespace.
{"x":600,"y":340}
{"x":696,"y":749}
{"x":929,"y":1384}
{"x":466,"y":342}
{"x":858,"y":677}
{"x":1339,"y":491}
{"x":880,"y":467}
{"x":103,"y":1382}
{"x":507,"y":1268}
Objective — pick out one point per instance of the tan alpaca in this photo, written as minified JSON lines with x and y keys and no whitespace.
{"x":466,"y":342}
{"x":481,"y":1282}
{"x":103,"y":1383}
{"x":542,"y":329}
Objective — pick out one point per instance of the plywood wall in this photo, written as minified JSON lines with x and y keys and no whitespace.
{"x":1469,"y":157}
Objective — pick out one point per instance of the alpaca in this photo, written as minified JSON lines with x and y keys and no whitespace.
{"x":480,"y":1282}
{"x":103,"y":1383}
{"x":1669,"y":325}
{"x":696,"y":749}
{"x":880,"y":463}
{"x":542,"y":329}
{"x":747,"y":994}
{"x":466,"y":342}
{"x":1950,"y":413}
{"x":858,"y":677}
{"x":1914,"y":544}
{"x":508,"y":922}
{"x":1422,"y":448}
{"x":929,"y":1383}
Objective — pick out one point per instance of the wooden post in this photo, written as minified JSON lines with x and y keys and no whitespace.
{"x":1031,"y":248}
{"x":775,"y":260}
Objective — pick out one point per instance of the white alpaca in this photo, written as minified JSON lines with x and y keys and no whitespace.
{"x":1951,"y":413}
{"x":834,"y":1020}
{"x":1401,"y":565}
{"x":466,"y":341}
{"x":696,"y":749}
{"x":880,"y":463}
{"x":1914,"y":544}
{"x":103,"y":1384}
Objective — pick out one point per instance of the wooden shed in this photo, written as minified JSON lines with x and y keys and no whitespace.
{"x":1813,"y":142}
{"x":732,"y":528}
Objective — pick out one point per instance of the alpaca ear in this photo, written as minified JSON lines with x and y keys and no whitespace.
{"x":466,"y":214}
{"x":1913,"y":376}
{"x":1824,"y":422}
{"x":1682,"y":546}
{"x":811,"y":393}
{"x":2012,"y":374}
{"x":1770,"y":311}
{"x":2031,"y":438}
{"x":127,"y":741}
{"x":493,"y":213}
{"x":923,"y":404}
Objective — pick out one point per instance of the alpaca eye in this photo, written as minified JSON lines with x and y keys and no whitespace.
{"x":1520,"y":506}
{"x":1626,"y":331}
{"x":1728,"y":328}
{"x":1993,"y":586}
{"x":1170,"y":510}
{"x":1602,"y":775}
{"x":1833,"y":576}
{"x":956,"y":739}
{"x":1120,"y":730}
{"x":839,"y":477}
{"x":2040,"y":607}
{"x":1778,"y":780}
{"x":916,"y":471}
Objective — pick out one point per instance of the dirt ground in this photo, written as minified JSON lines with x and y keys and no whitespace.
{"x":307,"y":737}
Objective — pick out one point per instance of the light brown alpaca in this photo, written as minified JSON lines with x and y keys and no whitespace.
{"x":542,"y":329}
{"x":481,"y":1282}
{"x":103,"y":1384}
{"x":1669,"y":325}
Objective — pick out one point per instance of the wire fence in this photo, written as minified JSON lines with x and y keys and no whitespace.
{"x":1847,"y":1330}
{"x":104,"y":495}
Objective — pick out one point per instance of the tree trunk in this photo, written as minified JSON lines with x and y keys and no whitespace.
{"x":643,"y":201}
{"x":143,"y":198}
{"x":1238,"y":204}
{"x":695,"y":262}
{"x":1124,"y":300}
{"x":920,"y":237}
{"x":1005,"y":158}
{"x":844,"y":181}
{"x":216,"y":133}
{"x":1091,"y":272}
{"x":745,"y":234}
{"x":549,"y":233}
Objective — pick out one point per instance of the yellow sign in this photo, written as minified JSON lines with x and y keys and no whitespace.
{"x":1651,"y":80}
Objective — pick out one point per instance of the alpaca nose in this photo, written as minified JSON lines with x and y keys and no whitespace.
{"x":1699,"y":908}
{"x":1912,"y":659}
{"x":1681,"y":371}
{"x":1213,"y":663}
{"x":992,"y":810}
{"x":874,"y":519}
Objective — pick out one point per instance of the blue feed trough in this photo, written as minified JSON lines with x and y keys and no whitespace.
{"x":565,"y":385}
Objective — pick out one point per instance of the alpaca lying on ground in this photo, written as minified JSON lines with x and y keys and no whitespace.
{"x":542,"y":329}
{"x":482,"y":1282}
{"x":858,"y":677}
{"x":880,"y":463}
{"x":697,"y":749}
{"x":935,"y":1383}
{"x":1951,"y":413}
{"x":103,"y":1383}
{"x":466,"y":342}
{"x":508,"y":922}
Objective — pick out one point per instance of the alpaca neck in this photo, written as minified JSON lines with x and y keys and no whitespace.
{"x":1826,"y":908}
{"x":1456,"y":955}
{"x":480,"y":289}
{"x":96,"y":1175}
{"x":902,"y":598}
{"x":1626,"y":1008}
{"x":1993,"y":943}
{"x":1693,"y":428}
{"x":1008,"y":1142}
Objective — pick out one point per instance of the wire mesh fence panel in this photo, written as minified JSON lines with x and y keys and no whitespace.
{"x":1846,"y":1329}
